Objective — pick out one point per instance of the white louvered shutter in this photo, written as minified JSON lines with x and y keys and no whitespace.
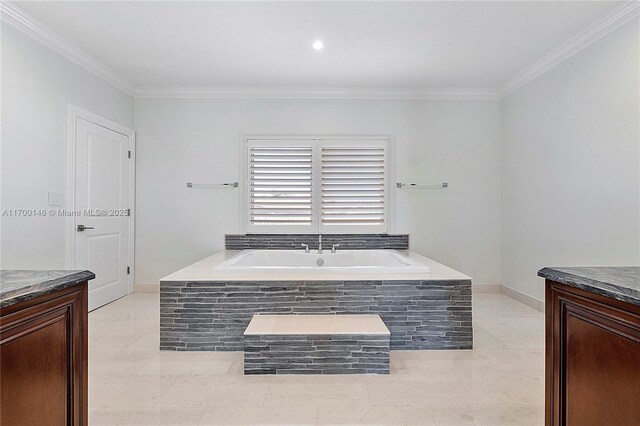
{"x":353,"y":184}
{"x":280,"y":186}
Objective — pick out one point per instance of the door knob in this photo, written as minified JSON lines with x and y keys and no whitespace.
{"x":82,"y":228}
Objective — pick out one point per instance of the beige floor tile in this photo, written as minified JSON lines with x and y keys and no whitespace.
{"x":287,"y":415}
{"x":216,"y":391}
{"x":127,"y":390}
{"x":149,"y":342}
{"x":189,"y":363}
{"x":522,"y":340}
{"x":237,"y":366}
{"x":146,"y":416}
{"x":120,"y":356}
{"x":510,"y":361}
{"x":111,"y":343}
{"x":318,"y":394}
{"x":435,"y":355}
{"x":489,"y":415}
{"x":499,"y":382}
{"x":319,"y":379}
{"x":118,"y":362}
{"x":396,"y":362}
{"x":402,"y":376}
{"x":483,"y":340}
{"x":123,"y":321}
{"x":367,"y":414}
{"x":492,"y":387}
{"x":438,"y":367}
{"x":406,"y":392}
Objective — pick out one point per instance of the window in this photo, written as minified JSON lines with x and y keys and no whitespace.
{"x":280,"y":184}
{"x":317,"y":185}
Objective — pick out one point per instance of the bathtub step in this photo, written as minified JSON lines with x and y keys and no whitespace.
{"x":316,"y":344}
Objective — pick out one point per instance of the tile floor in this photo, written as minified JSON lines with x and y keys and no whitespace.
{"x":499,"y":382}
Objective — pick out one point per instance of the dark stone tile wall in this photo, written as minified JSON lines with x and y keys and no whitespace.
{"x":294,"y":241}
{"x":316,"y":354}
{"x":212,"y":316}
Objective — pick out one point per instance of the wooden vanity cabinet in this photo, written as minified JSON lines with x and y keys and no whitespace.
{"x":43,"y":359}
{"x":592,"y":358}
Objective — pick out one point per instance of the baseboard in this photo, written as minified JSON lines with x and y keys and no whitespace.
{"x":522,"y":297}
{"x":146,"y":288}
{"x":485,"y":288}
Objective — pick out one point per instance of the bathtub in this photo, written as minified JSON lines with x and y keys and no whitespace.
{"x":342,"y":262}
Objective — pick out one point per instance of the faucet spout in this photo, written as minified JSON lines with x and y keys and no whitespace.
{"x":319,"y":243}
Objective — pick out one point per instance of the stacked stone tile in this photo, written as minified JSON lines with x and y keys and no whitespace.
{"x":316,"y":354}
{"x":212,"y":316}
{"x":294,"y":241}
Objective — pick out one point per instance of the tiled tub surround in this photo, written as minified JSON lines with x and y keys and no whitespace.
{"x":297,"y":354}
{"x":202,"y":311}
{"x":295,"y":241}
{"x":316,"y":344}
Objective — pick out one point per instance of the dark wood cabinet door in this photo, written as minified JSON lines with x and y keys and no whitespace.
{"x":593,"y":359}
{"x":44,"y":360}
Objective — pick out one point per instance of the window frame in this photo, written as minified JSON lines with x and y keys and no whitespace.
{"x":316,"y":226}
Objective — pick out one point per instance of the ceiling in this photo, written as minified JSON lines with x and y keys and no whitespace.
{"x":392,"y":44}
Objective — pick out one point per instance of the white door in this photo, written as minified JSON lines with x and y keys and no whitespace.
{"x":102,"y":200}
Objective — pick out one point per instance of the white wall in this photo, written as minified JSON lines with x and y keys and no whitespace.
{"x":547,"y":176}
{"x":37,"y":84}
{"x":199,"y":141}
{"x":570,"y":164}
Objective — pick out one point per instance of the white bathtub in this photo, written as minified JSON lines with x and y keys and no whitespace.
{"x":342,"y":262}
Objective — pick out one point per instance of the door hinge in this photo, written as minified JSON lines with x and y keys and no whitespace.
{"x":129,"y":154}
{"x":128,"y":270}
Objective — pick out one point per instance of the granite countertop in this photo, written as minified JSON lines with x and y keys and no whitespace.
{"x":621,"y":282}
{"x":19,"y":285}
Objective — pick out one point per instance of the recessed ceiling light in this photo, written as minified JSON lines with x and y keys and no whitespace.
{"x":318,"y":45}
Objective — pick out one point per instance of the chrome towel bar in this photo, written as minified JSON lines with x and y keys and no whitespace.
{"x":212,"y":185}
{"x":421,"y":185}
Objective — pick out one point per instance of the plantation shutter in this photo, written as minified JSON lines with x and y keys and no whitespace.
{"x":281,"y":185}
{"x":353,"y":186}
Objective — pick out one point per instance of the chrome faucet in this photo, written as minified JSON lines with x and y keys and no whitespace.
{"x":306,"y":248}
{"x":319,"y":243}
{"x":334,"y":247}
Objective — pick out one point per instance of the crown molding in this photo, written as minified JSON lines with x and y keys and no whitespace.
{"x":17,"y":18}
{"x":589,"y":35}
{"x":249,"y":92}
{"x":27,"y":24}
{"x":14,"y":16}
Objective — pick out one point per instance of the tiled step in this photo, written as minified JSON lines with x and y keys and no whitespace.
{"x":316,"y":344}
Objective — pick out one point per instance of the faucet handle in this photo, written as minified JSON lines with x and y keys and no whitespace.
{"x":306,"y":247}
{"x":333,"y":247}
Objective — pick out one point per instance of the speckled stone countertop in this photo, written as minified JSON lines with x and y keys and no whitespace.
{"x":621,"y":283}
{"x":19,"y":285}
